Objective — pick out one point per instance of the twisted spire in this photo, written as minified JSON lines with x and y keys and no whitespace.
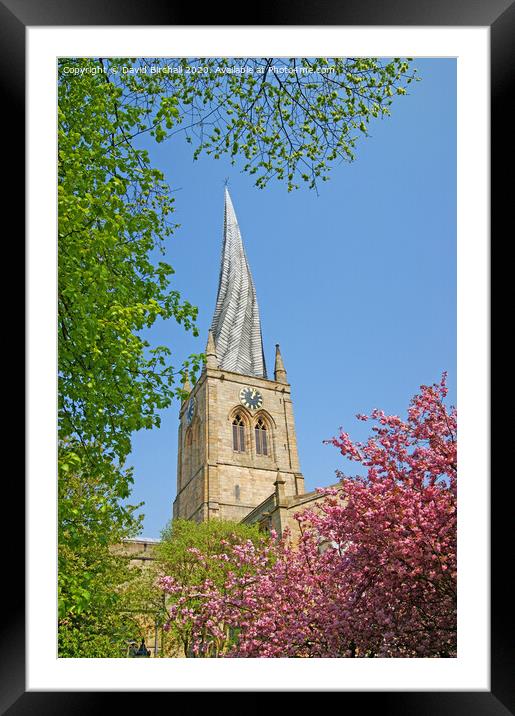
{"x":236,"y":326}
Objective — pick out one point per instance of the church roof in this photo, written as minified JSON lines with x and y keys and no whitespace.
{"x":236,"y":326}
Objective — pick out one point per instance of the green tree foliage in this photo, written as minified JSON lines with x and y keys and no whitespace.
{"x":174,"y":553}
{"x":90,"y":596}
{"x":93,"y":637}
{"x":177,"y":555}
{"x":113,"y":219}
{"x":289,"y":119}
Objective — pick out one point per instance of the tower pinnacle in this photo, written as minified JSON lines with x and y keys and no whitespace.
{"x":236,"y":326}
{"x":211,"y":357}
{"x":186,"y":386}
{"x":279,"y":371}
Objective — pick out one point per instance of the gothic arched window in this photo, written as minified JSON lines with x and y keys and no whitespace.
{"x":261,"y":439}
{"x":238,"y":434}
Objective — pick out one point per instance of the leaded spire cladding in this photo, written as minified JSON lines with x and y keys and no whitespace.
{"x":236,"y":326}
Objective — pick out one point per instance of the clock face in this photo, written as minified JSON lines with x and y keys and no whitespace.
{"x":190,"y":410}
{"x":251,"y":398}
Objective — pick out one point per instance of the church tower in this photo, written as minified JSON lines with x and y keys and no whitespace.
{"x":236,"y":429}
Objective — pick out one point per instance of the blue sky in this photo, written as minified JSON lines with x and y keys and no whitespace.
{"x":357,"y":284}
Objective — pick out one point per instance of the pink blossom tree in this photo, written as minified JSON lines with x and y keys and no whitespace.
{"x":374,"y":571}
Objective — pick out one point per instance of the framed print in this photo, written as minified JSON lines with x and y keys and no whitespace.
{"x":476,"y":680}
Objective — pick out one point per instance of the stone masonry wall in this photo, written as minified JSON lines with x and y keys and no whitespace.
{"x":214,"y":481}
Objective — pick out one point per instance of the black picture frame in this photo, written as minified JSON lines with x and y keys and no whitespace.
{"x":499,"y":16}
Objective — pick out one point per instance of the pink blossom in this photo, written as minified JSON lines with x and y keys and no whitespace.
{"x":386,"y":587}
